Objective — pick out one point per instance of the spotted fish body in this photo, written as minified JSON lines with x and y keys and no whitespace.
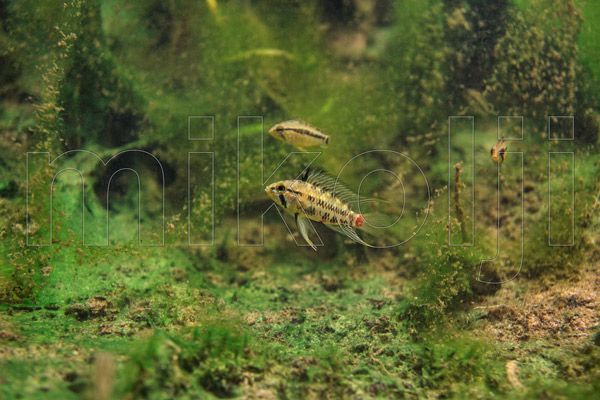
{"x":314,"y":203}
{"x":318,"y":198}
{"x":299,"y":134}
{"x":498,"y":152}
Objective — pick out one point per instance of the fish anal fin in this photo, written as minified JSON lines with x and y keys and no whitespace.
{"x":349,"y":232}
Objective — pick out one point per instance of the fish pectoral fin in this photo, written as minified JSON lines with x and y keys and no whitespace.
{"x":303,"y":226}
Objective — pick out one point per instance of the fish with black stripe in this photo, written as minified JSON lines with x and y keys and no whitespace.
{"x":320,"y":198}
{"x":299,"y":134}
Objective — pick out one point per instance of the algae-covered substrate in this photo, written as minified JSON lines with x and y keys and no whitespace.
{"x":141,"y":258}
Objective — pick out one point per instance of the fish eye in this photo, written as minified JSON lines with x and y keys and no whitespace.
{"x":281,"y":188}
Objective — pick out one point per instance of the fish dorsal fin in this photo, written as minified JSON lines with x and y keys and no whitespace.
{"x":299,"y":124}
{"x":303,"y":227}
{"x":335,"y":187}
{"x":305,"y":174}
{"x":330,"y":184}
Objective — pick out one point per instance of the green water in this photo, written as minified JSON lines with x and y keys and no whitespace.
{"x":191,"y":286}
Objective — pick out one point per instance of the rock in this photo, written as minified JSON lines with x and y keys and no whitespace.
{"x":80,"y":311}
{"x":94,"y":307}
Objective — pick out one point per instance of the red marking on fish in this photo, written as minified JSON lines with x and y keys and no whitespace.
{"x":359,"y":221}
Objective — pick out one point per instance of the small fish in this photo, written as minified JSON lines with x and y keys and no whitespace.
{"x":320,"y":198}
{"x":299,"y":134}
{"x":212,"y":6}
{"x":498,"y":151}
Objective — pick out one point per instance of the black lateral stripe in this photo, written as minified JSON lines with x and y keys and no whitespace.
{"x":283,"y":201}
{"x":307,"y":132}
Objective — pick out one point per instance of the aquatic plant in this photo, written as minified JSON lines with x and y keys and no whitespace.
{"x":416,"y":63}
{"x":537,"y":74}
{"x":206,"y":360}
{"x":471,"y":30}
{"x":560,"y":238}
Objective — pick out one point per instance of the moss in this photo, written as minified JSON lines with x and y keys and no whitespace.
{"x":208,"y":359}
{"x":446,"y":276}
{"x":567,"y":229}
{"x":471,"y":30}
{"x":537,"y":64}
{"x":416,"y":63}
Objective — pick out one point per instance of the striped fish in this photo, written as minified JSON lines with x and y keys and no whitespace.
{"x":299,"y":134}
{"x":318,"y":197}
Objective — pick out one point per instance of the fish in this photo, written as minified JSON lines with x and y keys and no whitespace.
{"x":320,"y":198}
{"x":299,"y":134}
{"x":498,"y":152}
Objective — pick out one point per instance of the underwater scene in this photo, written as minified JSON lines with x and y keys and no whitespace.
{"x":333,"y":199}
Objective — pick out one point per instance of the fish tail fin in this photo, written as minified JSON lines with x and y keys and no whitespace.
{"x":349,"y":232}
{"x":376,"y":224}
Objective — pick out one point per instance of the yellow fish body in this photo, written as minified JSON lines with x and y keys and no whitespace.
{"x":299,"y":134}
{"x":317,"y":197}
{"x":498,"y":152}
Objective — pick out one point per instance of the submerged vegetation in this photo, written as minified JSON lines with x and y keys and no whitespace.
{"x":117,"y":115}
